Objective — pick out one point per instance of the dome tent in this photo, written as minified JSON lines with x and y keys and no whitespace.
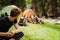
{"x":8,"y":9}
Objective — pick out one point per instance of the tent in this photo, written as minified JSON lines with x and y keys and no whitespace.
{"x":7,"y":9}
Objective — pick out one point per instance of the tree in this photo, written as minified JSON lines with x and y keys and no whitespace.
{"x":39,"y":6}
{"x":19,"y":3}
{"x":54,"y":7}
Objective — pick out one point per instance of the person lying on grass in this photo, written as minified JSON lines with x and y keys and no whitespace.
{"x":7,"y":22}
{"x":31,"y":17}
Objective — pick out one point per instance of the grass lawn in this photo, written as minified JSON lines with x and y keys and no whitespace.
{"x":47,"y":31}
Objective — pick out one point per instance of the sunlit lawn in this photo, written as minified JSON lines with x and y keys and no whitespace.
{"x":47,"y":31}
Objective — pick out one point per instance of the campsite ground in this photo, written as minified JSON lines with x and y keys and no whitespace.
{"x":47,"y":31}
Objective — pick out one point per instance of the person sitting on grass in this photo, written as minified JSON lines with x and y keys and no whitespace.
{"x":7,"y":22}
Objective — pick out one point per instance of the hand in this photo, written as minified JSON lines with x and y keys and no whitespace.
{"x":12,"y":32}
{"x":8,"y":34}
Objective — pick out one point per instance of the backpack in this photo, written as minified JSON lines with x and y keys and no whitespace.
{"x":22,"y":21}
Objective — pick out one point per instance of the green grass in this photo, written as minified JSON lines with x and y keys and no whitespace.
{"x":47,"y":31}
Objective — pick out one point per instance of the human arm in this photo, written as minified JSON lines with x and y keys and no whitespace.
{"x":5,"y":34}
{"x":17,"y":29}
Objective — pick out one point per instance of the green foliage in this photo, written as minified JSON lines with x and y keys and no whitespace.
{"x":28,"y":1}
{"x":41,"y":7}
{"x":19,"y":3}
